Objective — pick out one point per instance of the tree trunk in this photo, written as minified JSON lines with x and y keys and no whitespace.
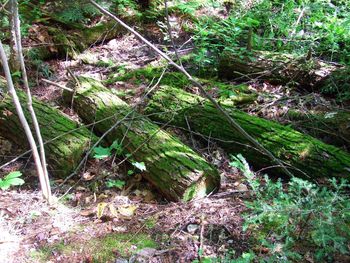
{"x":172,"y":167}
{"x":64,"y":153}
{"x":57,"y":42}
{"x":275,"y":67}
{"x":13,"y":60}
{"x":332,"y":127}
{"x":307,"y":155}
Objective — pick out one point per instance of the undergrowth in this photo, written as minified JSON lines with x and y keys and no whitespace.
{"x":297,"y":26}
{"x":298,"y":220}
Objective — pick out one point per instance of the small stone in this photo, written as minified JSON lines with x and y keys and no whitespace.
{"x":192,"y":228}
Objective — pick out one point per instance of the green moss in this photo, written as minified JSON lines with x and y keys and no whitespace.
{"x":301,"y":151}
{"x":171,"y":165}
{"x":151,"y":222}
{"x":101,"y":249}
{"x":237,"y":93}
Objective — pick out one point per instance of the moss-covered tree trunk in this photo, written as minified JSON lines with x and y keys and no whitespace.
{"x":276,"y":67}
{"x":59,"y":42}
{"x":332,"y":127}
{"x":307,"y":155}
{"x":65,"y":152}
{"x":172,"y":167}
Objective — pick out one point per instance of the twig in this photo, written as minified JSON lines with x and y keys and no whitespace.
{"x":45,"y":179}
{"x":75,"y":90}
{"x":231,"y":121}
{"x":57,"y":85}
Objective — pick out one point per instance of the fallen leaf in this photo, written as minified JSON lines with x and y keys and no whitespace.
{"x":100,"y":208}
{"x":127,"y":210}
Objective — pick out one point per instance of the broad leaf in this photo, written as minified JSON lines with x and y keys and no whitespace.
{"x":101,"y":152}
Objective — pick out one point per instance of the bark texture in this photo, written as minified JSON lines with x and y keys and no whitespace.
{"x":172,"y":167}
{"x":59,"y":42}
{"x":276,"y":67}
{"x":64,"y":153}
{"x":309,"y":156}
{"x":332,"y":127}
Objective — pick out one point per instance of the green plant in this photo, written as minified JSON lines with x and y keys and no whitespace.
{"x":76,"y":11}
{"x":10,"y":180}
{"x":298,"y":217}
{"x":115,"y":183}
{"x":101,"y":152}
{"x":296,"y":26}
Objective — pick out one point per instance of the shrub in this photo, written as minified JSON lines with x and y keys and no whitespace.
{"x":297,"y":219}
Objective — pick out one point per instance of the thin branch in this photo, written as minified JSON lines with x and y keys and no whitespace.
{"x":57,"y":85}
{"x":21,"y":116}
{"x":15,"y":17}
{"x":231,"y":121}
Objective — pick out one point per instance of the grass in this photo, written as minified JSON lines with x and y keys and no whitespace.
{"x":101,"y":249}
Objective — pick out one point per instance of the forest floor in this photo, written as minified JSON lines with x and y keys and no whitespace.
{"x":94,"y":223}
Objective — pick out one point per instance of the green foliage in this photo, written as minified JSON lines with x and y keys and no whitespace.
{"x":10,"y":180}
{"x":338,"y":85}
{"x":75,"y":11}
{"x":115,"y":183}
{"x":101,"y":152}
{"x":295,"y":26}
{"x":297,"y":218}
{"x":125,"y":7}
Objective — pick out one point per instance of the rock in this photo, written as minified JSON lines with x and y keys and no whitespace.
{"x":192,"y":228}
{"x":143,"y":256}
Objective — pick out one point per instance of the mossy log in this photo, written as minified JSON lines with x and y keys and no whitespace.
{"x":65,"y":152}
{"x":332,"y":127}
{"x":59,"y":42}
{"x":277,"y":68}
{"x":309,"y":156}
{"x":172,"y":167}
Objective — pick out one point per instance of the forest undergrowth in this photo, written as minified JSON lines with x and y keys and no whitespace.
{"x":108,"y":212}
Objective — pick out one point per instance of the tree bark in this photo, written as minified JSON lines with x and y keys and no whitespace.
{"x":172,"y":167}
{"x":275,"y":67}
{"x":307,"y":155}
{"x":55,"y":42}
{"x":63,"y":153}
{"x":332,"y":127}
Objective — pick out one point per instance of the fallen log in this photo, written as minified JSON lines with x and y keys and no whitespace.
{"x":275,"y":67}
{"x":332,"y":127}
{"x":58,"y":42}
{"x":307,"y":155}
{"x":63,"y":153}
{"x":172,"y":167}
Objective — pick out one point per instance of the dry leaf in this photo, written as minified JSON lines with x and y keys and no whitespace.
{"x":100,"y":208}
{"x":113,"y":211}
{"x":127,"y":210}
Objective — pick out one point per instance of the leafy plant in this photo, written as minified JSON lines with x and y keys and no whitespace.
{"x":101,"y":152}
{"x":297,"y":217}
{"x":10,"y":180}
{"x":115,"y":183}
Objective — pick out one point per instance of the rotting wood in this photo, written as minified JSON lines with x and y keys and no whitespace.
{"x":63,"y":153}
{"x":172,"y":167}
{"x":308,"y":155}
{"x":277,"y":68}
